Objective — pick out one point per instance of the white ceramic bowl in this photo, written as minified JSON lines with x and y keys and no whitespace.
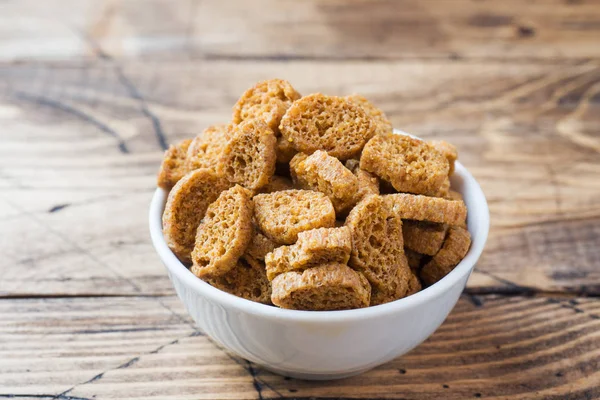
{"x":325,"y":344}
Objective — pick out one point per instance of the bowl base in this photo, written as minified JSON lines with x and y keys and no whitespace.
{"x":314,"y":376}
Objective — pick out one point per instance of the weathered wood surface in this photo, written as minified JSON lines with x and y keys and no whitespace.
{"x":508,"y":30}
{"x":136,"y":347}
{"x":92,"y":91}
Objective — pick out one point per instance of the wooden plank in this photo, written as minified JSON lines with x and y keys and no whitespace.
{"x":510,"y":30}
{"x":528,"y":133}
{"x":116,"y":348}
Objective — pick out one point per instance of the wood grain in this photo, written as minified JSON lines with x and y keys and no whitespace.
{"x":134,"y":347}
{"x":528,"y":133}
{"x":507,"y":31}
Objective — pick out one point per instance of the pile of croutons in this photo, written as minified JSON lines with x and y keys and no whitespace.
{"x":312,"y":203}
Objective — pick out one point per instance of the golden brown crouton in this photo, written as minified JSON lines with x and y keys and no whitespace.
{"x":414,"y":284}
{"x":378,"y":249}
{"x":249,"y":156}
{"x":314,"y":247}
{"x":172,"y":168}
{"x":285,"y":150}
{"x":455,"y":248}
{"x":326,"y":174}
{"x":277,"y":184}
{"x":322,"y":288}
{"x":367,"y":182}
{"x":409,"y":164}
{"x":223,"y":234}
{"x":206,"y":149}
{"x":424,"y":237}
{"x":259,"y":246}
{"x":247,"y":279}
{"x":383,"y":124}
{"x":448,"y":150}
{"x":333,"y":124}
{"x":414,"y":259}
{"x":282,"y":215}
{"x":267,"y":100}
{"x":423,"y":208}
{"x":185,"y":208}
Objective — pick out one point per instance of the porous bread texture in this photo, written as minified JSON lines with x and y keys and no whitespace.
{"x":314,"y":247}
{"x":367,"y":182}
{"x":285,"y":150}
{"x":282,"y":215}
{"x":448,"y":150}
{"x":185,"y":208}
{"x":414,"y":284}
{"x":423,"y":237}
{"x":329,"y":123}
{"x":326,"y":174}
{"x":454,"y":195}
{"x":444,"y":190}
{"x":223,"y":234}
{"x":267,"y":101}
{"x":172,"y":168}
{"x":378,"y":249}
{"x":324,"y":288}
{"x":456,"y":246}
{"x":277,"y":184}
{"x":206,"y":149}
{"x":247,"y":279}
{"x":410,"y":165}
{"x":249,"y":157}
{"x":383,"y":125}
{"x":414,"y":259}
{"x":259,"y":246}
{"x":424,"y":208}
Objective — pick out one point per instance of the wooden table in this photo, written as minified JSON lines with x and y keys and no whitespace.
{"x":91,"y":93}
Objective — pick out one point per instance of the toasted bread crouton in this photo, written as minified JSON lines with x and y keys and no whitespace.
{"x":185,"y":208}
{"x":322,"y":288}
{"x":424,"y":208}
{"x":456,"y":246}
{"x":423,"y":237}
{"x":414,"y":259}
{"x":282,"y":215}
{"x":172,"y":168}
{"x":414,"y":284}
{"x":314,"y":247}
{"x":410,"y":165}
{"x":259,"y":246}
{"x":247,"y":279}
{"x":383,"y":124}
{"x":367,"y":182}
{"x":206,"y":149}
{"x":448,"y":150}
{"x":249,"y":156}
{"x":378,"y":249}
{"x":326,"y":174}
{"x":333,"y":124}
{"x":223,"y":234}
{"x":267,"y":100}
{"x":277,"y":184}
{"x":454,"y":195}
{"x":285,"y":150}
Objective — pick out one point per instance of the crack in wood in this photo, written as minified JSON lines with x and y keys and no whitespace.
{"x":58,"y":207}
{"x":129,"y":86}
{"x":85,"y":117}
{"x":125,"y":365}
{"x":255,"y":383}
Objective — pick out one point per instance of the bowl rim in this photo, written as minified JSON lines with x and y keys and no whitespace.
{"x":174,"y":266}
